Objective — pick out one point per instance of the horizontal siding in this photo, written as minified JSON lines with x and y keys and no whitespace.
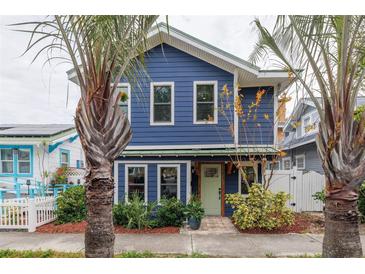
{"x":260,"y":131}
{"x":152,"y":181}
{"x":169,"y":64}
{"x":312,"y":160}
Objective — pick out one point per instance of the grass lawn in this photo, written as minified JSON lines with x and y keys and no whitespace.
{"x":9,"y":253}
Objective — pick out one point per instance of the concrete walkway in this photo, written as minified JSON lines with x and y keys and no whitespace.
{"x":225,"y":245}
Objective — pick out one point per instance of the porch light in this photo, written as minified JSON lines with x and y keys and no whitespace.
{"x":28,"y":185}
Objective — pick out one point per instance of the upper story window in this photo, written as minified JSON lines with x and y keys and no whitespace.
{"x":168,"y":181}
{"x":125,"y":102}
{"x":205,"y":102}
{"x":309,"y":124}
{"x":136,"y":181}
{"x":7,"y":161}
{"x":162,"y":103}
{"x":64,"y":158}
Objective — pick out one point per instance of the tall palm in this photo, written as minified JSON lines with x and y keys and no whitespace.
{"x":331,"y":50}
{"x":102,"y":50}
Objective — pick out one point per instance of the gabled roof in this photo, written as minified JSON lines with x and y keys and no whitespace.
{"x":35,"y":132}
{"x":247,"y":73}
{"x":298,"y":111}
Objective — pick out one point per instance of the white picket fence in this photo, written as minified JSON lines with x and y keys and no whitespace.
{"x":27,"y":213}
{"x":301,"y":186}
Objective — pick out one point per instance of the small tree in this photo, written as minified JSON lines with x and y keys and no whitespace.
{"x":331,"y":50}
{"x":247,"y":113}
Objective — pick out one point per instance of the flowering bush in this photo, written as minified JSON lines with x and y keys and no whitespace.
{"x":260,"y":209}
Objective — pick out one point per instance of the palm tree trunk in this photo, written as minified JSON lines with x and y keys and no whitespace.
{"x":99,"y":235}
{"x":341,"y":236}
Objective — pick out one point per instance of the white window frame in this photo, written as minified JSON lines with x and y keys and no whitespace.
{"x":129,"y":101}
{"x":26,"y":161}
{"x":215,"y":120}
{"x":296,"y":161}
{"x":152,"y":103}
{"x":126,"y":166}
{"x":310,"y":115}
{"x":287,"y":159}
{"x":159,"y":166}
{"x":269,"y":163}
{"x":248,"y":164}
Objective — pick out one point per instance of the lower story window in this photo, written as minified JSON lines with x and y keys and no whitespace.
{"x":247,"y":177}
{"x":64,"y":158}
{"x":7,"y":161}
{"x":287,"y":163}
{"x":136,"y":183}
{"x":24,"y":161}
{"x":168,"y":181}
{"x":15,"y":161}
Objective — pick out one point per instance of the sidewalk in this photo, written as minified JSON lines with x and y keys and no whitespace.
{"x":226,"y":245}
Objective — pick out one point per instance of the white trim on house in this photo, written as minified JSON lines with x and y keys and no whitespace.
{"x":235,"y":117}
{"x":301,"y":143}
{"x":159,"y":166}
{"x":188,"y":181}
{"x":192,"y":146}
{"x":129,"y":102}
{"x":126,"y":166}
{"x":296,"y":161}
{"x":215,"y":121}
{"x":287,"y":159}
{"x":275,"y":114}
{"x":172,"y":103}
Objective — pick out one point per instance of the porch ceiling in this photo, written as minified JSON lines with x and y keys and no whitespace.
{"x":203,"y":152}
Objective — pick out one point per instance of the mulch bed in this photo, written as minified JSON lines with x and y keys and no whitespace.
{"x":81,"y":227}
{"x":303,"y":223}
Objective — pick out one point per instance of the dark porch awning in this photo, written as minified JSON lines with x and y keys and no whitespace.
{"x":267,"y":150}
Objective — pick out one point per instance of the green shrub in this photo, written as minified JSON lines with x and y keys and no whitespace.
{"x":319,"y":196}
{"x":170,"y":213}
{"x":71,"y":206}
{"x":361,"y":203}
{"x":260,"y":209}
{"x":194,"y":209}
{"x":134,"y":214}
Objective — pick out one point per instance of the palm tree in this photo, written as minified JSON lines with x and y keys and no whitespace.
{"x":102,"y":50}
{"x":331,"y":50}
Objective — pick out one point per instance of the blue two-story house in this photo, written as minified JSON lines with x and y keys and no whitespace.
{"x":182,"y":145}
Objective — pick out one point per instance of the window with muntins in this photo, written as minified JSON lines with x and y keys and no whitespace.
{"x":125,"y":100}
{"x":162,"y":104}
{"x":7,"y":161}
{"x":205,"y":102}
{"x":300,"y":162}
{"x":168,"y":182}
{"x":247,"y":178}
{"x":24,"y":161}
{"x":136,"y":182}
{"x":65,"y":158}
{"x":287,"y":163}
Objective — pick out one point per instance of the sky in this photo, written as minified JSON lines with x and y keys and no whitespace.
{"x":34,"y":93}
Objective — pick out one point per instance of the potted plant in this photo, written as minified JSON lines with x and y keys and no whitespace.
{"x":194,"y":211}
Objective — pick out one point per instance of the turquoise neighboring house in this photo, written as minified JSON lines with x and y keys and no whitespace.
{"x":182,"y":145}
{"x":28,"y":152}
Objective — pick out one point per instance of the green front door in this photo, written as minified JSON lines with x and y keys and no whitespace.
{"x":211,"y":179}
